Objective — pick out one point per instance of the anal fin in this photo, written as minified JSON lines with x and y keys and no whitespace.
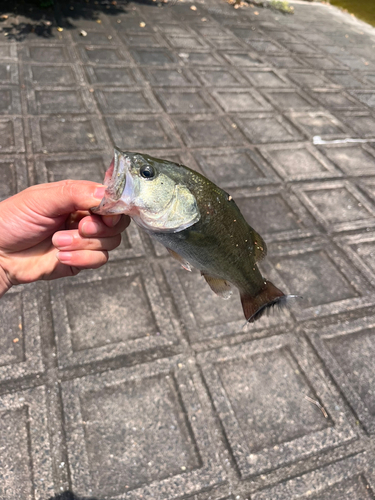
{"x":221,"y":287}
{"x":184,"y":263}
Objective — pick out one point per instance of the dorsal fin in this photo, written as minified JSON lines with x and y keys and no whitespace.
{"x":184,"y":263}
{"x":221,"y":287}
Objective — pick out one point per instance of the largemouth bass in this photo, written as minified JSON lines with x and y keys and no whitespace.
{"x":199,"y":224}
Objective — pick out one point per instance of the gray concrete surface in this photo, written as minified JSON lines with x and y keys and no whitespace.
{"x":134,"y":381}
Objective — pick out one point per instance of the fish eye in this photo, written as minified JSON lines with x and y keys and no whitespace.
{"x":147,"y":172}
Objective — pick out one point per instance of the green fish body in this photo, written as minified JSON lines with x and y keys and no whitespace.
{"x":199,"y":224}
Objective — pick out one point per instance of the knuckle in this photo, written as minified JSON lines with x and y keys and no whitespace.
{"x":65,"y":188}
{"x":116,"y":240}
{"x":103,"y":259}
{"x":66,"y":185}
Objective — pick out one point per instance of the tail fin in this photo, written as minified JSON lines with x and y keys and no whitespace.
{"x":268,"y":297}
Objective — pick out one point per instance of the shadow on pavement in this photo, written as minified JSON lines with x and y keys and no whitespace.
{"x":68,"y":495}
{"x":40,"y":18}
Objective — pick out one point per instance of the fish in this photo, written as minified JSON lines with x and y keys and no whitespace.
{"x":198,"y":222}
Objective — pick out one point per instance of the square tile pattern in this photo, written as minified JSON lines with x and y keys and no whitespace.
{"x":251,"y":400}
{"x":323,"y":279}
{"x":135,"y":380}
{"x":25,"y":444}
{"x":348,"y":352}
{"x":20,"y":342}
{"x":112,"y":330}
{"x":337,"y":205}
{"x":350,"y":478}
{"x":164,"y":434}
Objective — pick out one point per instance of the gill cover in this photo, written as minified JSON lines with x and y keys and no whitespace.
{"x":178,"y":214}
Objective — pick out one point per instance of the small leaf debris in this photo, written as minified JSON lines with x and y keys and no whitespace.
{"x":316,"y":403}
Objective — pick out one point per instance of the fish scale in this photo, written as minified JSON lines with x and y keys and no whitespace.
{"x":198,"y":222}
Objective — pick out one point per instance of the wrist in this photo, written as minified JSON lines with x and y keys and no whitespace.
{"x":5,"y":283}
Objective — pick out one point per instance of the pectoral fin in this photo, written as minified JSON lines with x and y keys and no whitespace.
{"x":184,"y":263}
{"x":219,"y":286}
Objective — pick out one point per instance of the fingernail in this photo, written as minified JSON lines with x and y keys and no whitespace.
{"x":89,"y":228}
{"x":99,"y":192}
{"x":63,"y":240}
{"x":111,"y":220}
{"x":64,"y":257}
{"x":116,"y":219}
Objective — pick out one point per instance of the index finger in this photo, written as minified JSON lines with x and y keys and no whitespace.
{"x":60,"y":198}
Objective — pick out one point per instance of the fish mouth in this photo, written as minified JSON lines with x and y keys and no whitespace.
{"x":119,"y":183}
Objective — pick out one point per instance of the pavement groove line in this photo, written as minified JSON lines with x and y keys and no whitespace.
{"x":134,"y":381}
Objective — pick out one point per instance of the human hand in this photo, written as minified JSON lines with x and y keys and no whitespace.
{"x":46,"y":232}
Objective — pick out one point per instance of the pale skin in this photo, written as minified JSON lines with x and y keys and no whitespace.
{"x":47,"y":232}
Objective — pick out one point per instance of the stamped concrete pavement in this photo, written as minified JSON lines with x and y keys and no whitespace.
{"x":134,"y":381}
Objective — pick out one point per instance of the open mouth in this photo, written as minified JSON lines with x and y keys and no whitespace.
{"x":115,"y":179}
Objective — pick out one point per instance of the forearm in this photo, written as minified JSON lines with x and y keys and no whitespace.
{"x":5,"y":284}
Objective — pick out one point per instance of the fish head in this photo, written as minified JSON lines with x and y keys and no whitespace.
{"x":150,"y":191}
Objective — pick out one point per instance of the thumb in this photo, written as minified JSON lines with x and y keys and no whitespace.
{"x":60,"y":198}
